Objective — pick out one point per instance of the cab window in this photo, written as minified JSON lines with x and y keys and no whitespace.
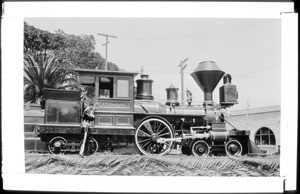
{"x":114,"y":87}
{"x":122,"y":88}
{"x":106,"y":87}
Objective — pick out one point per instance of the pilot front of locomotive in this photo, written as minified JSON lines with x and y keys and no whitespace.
{"x":198,"y":130}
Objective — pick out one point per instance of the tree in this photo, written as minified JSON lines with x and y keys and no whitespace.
{"x":46,"y":71}
{"x":50,"y":59}
{"x":79,"y":50}
{"x":36,"y":40}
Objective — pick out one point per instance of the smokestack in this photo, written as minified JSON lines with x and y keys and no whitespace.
{"x":207,"y":75}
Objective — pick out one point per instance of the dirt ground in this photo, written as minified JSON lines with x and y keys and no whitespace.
{"x":152,"y":165}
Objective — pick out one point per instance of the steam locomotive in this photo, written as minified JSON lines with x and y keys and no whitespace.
{"x":125,"y":115}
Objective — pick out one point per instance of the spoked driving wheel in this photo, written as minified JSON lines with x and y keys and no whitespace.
{"x":233,"y":148}
{"x":200,"y":148}
{"x":56,"y":145}
{"x":147,"y":134}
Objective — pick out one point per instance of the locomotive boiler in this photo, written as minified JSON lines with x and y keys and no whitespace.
{"x":123,"y":116}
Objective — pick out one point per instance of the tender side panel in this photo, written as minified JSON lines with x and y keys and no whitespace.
{"x":60,"y":129}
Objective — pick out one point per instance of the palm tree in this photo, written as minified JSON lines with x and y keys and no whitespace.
{"x":46,"y":71}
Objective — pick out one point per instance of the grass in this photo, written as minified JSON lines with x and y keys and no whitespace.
{"x":169,"y":165}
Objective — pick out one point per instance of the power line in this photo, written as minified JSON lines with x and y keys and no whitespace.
{"x":189,"y":72}
{"x":175,"y":72}
{"x":258,"y":70}
{"x":259,"y":77}
{"x":160,"y":38}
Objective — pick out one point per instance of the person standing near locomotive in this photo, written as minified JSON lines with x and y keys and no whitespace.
{"x":189,"y":97}
{"x":88,"y":117}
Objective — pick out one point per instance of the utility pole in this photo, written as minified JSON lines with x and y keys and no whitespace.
{"x":182,"y":67}
{"x":106,"y":47}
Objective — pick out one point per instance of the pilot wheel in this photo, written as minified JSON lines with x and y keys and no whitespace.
{"x":200,"y":148}
{"x":233,"y":148}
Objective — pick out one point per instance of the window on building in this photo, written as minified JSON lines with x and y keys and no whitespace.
{"x":265,"y":136}
{"x":106,"y":87}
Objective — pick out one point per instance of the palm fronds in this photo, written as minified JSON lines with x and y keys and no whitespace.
{"x":100,"y":164}
{"x":45,"y":71}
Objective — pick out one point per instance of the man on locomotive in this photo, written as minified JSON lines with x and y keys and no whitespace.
{"x":189,"y":97}
{"x":87,"y":117}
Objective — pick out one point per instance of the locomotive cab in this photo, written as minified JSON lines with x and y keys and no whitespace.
{"x":114,"y":93}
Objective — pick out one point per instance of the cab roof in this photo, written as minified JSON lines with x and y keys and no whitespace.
{"x":102,"y":72}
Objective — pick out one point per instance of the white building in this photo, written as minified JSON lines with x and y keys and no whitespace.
{"x":263,"y":123}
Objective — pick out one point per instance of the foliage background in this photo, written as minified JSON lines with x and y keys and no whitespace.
{"x":79,"y":50}
{"x":70,"y":52}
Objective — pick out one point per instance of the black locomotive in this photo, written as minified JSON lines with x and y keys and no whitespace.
{"x":125,"y":115}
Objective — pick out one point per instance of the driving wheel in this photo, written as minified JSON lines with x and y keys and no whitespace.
{"x":148,"y":132}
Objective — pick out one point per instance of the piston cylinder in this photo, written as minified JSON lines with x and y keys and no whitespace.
{"x":219,"y":136}
{"x":172,"y":96}
{"x":144,"y":88}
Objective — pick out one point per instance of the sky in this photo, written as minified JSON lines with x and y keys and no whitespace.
{"x":248,"y":49}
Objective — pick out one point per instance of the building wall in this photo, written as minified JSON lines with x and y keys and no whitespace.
{"x":254,"y":119}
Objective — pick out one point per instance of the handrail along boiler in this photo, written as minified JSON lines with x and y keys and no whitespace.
{"x":124,"y":116}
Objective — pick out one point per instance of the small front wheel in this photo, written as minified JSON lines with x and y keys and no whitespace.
{"x":200,"y":148}
{"x":233,"y":148}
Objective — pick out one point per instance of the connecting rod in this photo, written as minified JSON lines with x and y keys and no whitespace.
{"x":184,"y":136}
